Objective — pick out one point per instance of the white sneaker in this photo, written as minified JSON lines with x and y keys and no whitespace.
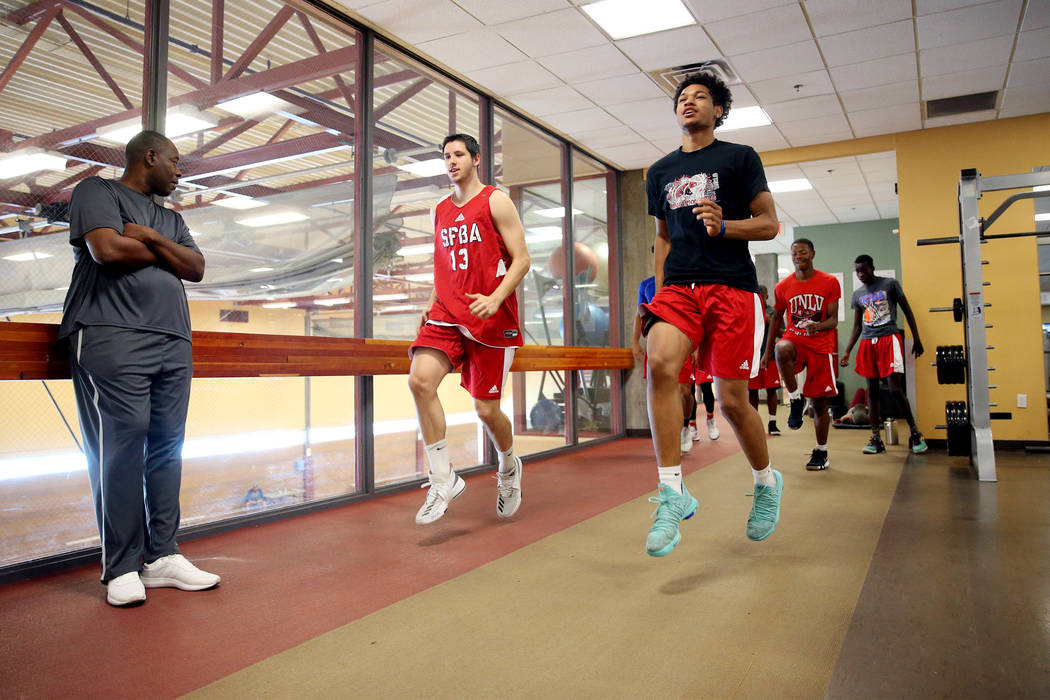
{"x":440,"y":495}
{"x":175,"y":571}
{"x":687,"y":440}
{"x":712,"y":429}
{"x":694,"y":433}
{"x":508,"y":491}
{"x":126,"y":589}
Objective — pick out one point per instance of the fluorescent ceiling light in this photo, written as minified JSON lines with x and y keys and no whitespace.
{"x":29,"y":160}
{"x":399,"y":307}
{"x":389,"y":297}
{"x":420,"y":277}
{"x":1041,"y":188}
{"x":283,"y":217}
{"x":332,"y":301}
{"x":278,"y":305}
{"x":625,"y":18}
{"x":261,"y":269}
{"x":26,"y":257}
{"x":1038,"y":217}
{"x":254,"y":105}
{"x":797,"y":185}
{"x":555,"y":213}
{"x":238,"y":202}
{"x":745,"y":118}
{"x":783,"y":270}
{"x":422,"y":249}
{"x":178,"y":122}
{"x":541,"y":234}
{"x":425,"y":168}
{"x":337,"y":260}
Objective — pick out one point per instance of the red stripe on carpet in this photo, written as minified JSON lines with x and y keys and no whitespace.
{"x":287,"y":582}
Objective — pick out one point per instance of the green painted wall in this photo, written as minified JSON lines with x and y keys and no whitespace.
{"x":837,"y":246}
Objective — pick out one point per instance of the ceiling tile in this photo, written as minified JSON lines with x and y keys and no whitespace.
{"x":778,"y":62}
{"x":637,"y":155}
{"x":481,"y":48}
{"x":886,"y":121}
{"x":828,"y":171}
{"x":714,"y":10}
{"x":1037,"y":16}
{"x":647,"y":116}
{"x":837,"y":16}
{"x":888,"y":210}
{"x":835,"y":127}
{"x":497,"y":11}
{"x":417,"y":21}
{"x":554,"y":32}
{"x":609,"y":136}
{"x":540,"y":103}
{"x":805,"y":108}
{"x":760,"y":138}
{"x":968,"y":118}
{"x":968,"y":24}
{"x":513,"y":78}
{"x":1031,"y":45}
{"x":929,"y":7}
{"x":882,"y":71}
{"x":1019,"y":101}
{"x":625,"y":88}
{"x":799,"y":140}
{"x":667,"y":143}
{"x":866,"y":44}
{"x":784,"y":89}
{"x":776,"y":26}
{"x":985,"y":79}
{"x":1030,"y":73}
{"x":675,"y":47}
{"x":784,"y":172}
{"x":588,"y":64}
{"x":967,"y":56}
{"x":856,"y":213}
{"x":881,"y":96}
{"x":742,"y":97}
{"x":582,"y":120}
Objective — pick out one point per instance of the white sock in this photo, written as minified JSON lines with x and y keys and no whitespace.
{"x":796,"y":394}
{"x":672,"y":476}
{"x":764,"y":476}
{"x":440,"y":465}
{"x":822,"y":447}
{"x":506,"y":458}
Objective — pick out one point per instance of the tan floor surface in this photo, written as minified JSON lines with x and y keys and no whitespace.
{"x":585,"y":613}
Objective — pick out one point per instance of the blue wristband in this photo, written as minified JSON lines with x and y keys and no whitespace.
{"x":722,"y":232}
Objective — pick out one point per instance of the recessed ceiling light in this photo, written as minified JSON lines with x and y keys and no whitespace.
{"x":541,"y":234}
{"x":261,"y":269}
{"x":621,"y":19}
{"x":422,"y":249}
{"x":745,"y":118}
{"x":332,"y":301}
{"x":179,"y":121}
{"x":254,"y":105}
{"x":425,"y":168}
{"x":283,"y":217}
{"x":796,"y":185}
{"x":278,"y":305}
{"x":420,"y":277}
{"x":29,"y":160}
{"x":26,"y":257}
{"x":555,"y":212}
{"x":239,"y":202}
{"x":1042,"y":217}
{"x":389,"y":297}
{"x":399,"y":307}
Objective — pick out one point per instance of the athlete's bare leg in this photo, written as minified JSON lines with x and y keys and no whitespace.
{"x":667,"y":348}
{"x":688,"y":402}
{"x":821,"y":419}
{"x":786,"y":354}
{"x":744,"y":419}
{"x":496,"y":422}
{"x":428,"y":368}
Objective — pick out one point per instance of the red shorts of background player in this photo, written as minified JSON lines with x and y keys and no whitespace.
{"x":685,"y":376}
{"x":820,"y":368}
{"x":880,"y":357}
{"x":725,"y":323}
{"x":768,"y":378}
{"x":483,"y":368}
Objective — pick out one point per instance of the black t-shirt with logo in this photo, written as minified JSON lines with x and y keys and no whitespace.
{"x":732,"y":176}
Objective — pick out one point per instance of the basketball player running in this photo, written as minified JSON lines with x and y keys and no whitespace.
{"x":471,"y":321}
{"x":811,"y":298}
{"x":709,"y":198}
{"x":880,"y":354}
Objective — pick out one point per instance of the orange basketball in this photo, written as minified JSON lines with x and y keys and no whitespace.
{"x":585,"y":261}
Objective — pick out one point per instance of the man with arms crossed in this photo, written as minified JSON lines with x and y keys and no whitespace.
{"x":128,"y":326}
{"x":709,"y":199}
{"x":880,"y":354}
{"x":480,"y":257}
{"x":811,"y":299}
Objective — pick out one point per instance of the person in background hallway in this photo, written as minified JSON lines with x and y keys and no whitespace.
{"x":768,"y":377}
{"x":811,"y":299}
{"x":705,"y":383}
{"x":128,"y":325}
{"x":709,"y":198}
{"x":471,"y":321}
{"x":880,"y":354}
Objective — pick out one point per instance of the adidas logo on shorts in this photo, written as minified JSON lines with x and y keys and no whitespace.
{"x":744,"y":365}
{"x":460,"y":217}
{"x":494,"y":389}
{"x":828,"y":388}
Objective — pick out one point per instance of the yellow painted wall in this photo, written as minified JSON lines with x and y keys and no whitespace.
{"x":928,"y":167}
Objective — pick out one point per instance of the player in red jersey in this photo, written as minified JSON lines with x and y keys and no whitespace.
{"x":811,"y":299}
{"x":471,"y":321}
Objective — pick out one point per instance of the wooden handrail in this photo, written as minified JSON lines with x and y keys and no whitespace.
{"x":33,"y":351}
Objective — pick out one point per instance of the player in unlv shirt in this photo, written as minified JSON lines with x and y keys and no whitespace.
{"x":811,"y":299}
{"x":471,"y":321}
{"x":709,"y":198}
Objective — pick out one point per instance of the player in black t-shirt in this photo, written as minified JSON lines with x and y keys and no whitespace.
{"x":709,"y":199}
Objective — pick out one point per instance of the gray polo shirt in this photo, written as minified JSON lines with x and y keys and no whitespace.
{"x":878,"y":303}
{"x":151,"y":298}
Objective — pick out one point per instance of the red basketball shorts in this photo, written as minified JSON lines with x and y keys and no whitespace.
{"x":483,"y":369}
{"x":821,"y":373}
{"x":768,"y":378}
{"x":880,"y":357}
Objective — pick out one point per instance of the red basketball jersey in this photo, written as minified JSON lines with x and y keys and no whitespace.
{"x":808,"y":300}
{"x":471,"y":257}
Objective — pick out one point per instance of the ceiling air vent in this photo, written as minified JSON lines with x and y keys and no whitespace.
{"x":961,"y":104}
{"x":669,"y":78}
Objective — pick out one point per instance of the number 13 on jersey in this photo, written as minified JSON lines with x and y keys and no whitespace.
{"x":463,"y":261}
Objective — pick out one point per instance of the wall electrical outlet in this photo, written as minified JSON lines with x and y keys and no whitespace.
{"x":1022,"y":400}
